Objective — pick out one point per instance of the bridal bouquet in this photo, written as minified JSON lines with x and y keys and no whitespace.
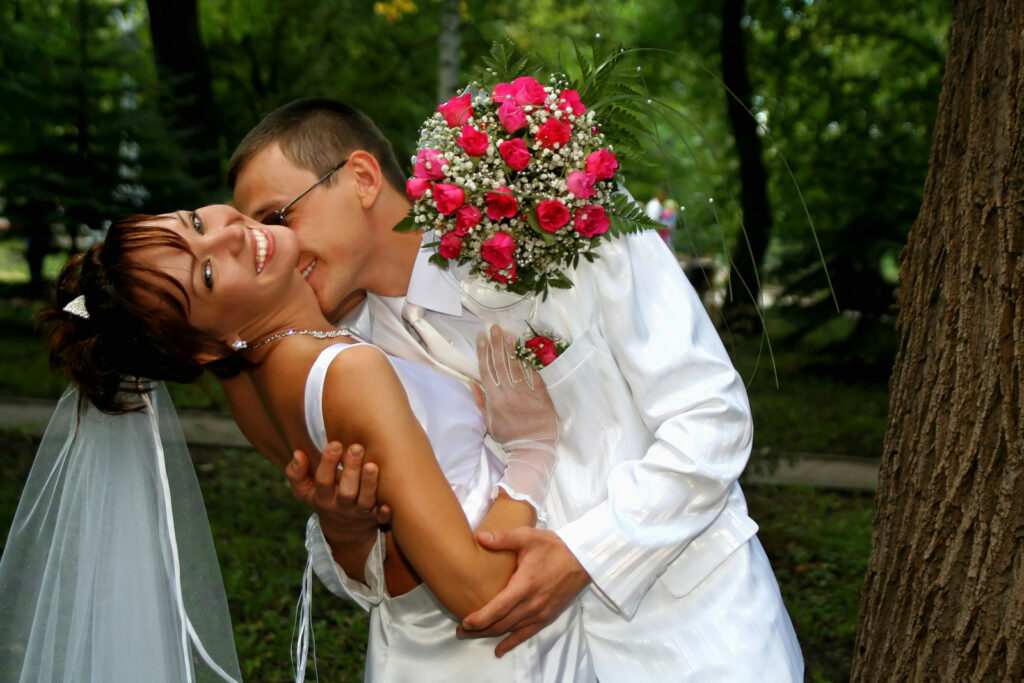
{"x":518,"y":181}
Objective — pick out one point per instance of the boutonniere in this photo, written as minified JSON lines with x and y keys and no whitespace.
{"x":540,"y":349}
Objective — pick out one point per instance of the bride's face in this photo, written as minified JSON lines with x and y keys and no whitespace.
{"x":238,"y":273}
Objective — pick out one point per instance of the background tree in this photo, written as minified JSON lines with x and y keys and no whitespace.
{"x":186,"y":94}
{"x":752,"y":241}
{"x":71,"y":91}
{"x":944,"y":594}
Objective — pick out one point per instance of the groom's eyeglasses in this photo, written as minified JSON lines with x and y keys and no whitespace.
{"x":280,"y":217}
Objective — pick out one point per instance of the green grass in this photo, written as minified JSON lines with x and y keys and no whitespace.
{"x":819,"y":405}
{"x":819,"y":543}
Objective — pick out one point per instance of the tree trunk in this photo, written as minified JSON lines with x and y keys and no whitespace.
{"x":748,"y":254}
{"x":187,"y":94}
{"x":448,"y":49}
{"x":943,"y":598}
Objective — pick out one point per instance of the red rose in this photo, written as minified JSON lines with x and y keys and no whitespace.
{"x":544,"y":349}
{"x":428,"y":164}
{"x":473,"y":141}
{"x":416,"y":187}
{"x":569,"y":102}
{"x":495,"y":274}
{"x":602,"y":164}
{"x":590,"y":220}
{"x":448,"y":197}
{"x":553,"y":132}
{"x":466,"y":218}
{"x":451,"y":245}
{"x":515,"y":154}
{"x":581,"y":184}
{"x":552,"y":214}
{"x":523,"y":91}
{"x":498,"y":250}
{"x":501,"y":203}
{"x":512,"y":117}
{"x":457,"y":110}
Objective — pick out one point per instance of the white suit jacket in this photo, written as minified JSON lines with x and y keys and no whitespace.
{"x":654,"y":423}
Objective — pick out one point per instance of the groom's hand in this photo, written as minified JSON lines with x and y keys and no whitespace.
{"x":345,"y":498}
{"x":546,"y":580}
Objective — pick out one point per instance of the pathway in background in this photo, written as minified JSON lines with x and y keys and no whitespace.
{"x":210,"y":429}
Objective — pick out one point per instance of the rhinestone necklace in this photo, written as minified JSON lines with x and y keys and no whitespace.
{"x":240,"y":344}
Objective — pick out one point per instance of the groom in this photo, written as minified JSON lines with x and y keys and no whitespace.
{"x":647,"y":525}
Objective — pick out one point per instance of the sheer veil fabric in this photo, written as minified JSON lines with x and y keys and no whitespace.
{"x":109,"y":573}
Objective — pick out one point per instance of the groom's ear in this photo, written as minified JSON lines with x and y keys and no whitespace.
{"x":364,"y":169}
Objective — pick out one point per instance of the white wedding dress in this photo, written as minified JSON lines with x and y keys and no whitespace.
{"x":412,"y":636}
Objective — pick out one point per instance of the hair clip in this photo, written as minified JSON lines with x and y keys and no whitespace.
{"x":77,"y":307}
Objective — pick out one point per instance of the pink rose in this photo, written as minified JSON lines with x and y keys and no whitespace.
{"x":466,"y":218}
{"x":498,"y":250}
{"x":544,"y":349}
{"x":501,"y":203}
{"x":495,"y":274}
{"x":457,"y":110}
{"x":473,"y":141}
{"x":581,"y":184}
{"x":552,"y":214}
{"x":515,"y":154}
{"x":553,"y":132}
{"x":524,"y":90}
{"x":448,"y":197}
{"x":451,"y":245}
{"x":512,"y":117}
{"x":569,"y":102}
{"x":428,"y":164}
{"x":416,"y":187}
{"x":602,"y":164}
{"x":590,"y":220}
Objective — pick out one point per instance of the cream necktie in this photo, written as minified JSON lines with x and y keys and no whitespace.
{"x":439,"y":348}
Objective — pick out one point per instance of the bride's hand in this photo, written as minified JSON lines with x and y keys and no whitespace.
{"x":515,"y":401}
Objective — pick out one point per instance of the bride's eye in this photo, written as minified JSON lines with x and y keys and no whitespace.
{"x":197,"y":223}
{"x":208,"y":275}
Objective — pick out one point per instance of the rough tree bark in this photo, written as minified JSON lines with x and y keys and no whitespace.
{"x":748,"y":254}
{"x":943,"y":598}
{"x":187,"y":99}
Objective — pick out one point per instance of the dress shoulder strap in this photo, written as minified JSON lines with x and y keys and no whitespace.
{"x":314,"y":393}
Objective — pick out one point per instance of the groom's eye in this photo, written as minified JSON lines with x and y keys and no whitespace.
{"x":274,"y":218}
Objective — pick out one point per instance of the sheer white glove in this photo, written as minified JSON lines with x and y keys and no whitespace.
{"x":520,"y":415}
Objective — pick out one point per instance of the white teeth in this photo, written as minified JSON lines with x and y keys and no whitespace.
{"x":261,"y":250}
{"x":308,"y":269}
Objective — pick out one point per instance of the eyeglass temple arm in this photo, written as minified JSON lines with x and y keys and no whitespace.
{"x":309,"y":189}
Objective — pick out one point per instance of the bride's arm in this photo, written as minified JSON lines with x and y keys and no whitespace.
{"x":366,"y":403}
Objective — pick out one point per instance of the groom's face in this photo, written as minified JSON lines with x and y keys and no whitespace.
{"x":327,"y":221}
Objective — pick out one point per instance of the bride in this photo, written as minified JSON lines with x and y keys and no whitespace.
{"x":166,"y":297}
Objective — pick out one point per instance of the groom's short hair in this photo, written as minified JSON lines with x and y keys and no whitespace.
{"x":316,"y":133}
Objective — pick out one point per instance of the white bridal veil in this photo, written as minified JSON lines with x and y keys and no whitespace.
{"x":109,"y":573}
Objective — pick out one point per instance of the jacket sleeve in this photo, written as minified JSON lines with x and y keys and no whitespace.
{"x":694,"y":406}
